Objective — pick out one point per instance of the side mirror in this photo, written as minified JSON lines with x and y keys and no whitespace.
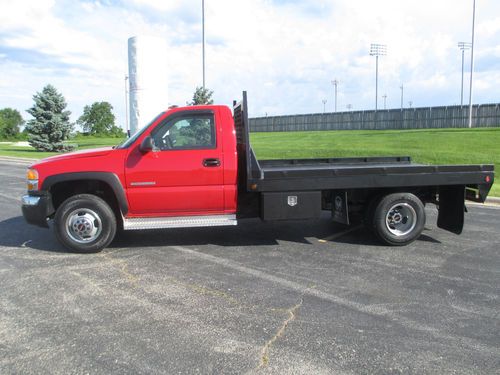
{"x":147,"y":145}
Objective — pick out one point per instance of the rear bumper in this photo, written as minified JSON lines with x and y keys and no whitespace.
{"x":37,"y":208}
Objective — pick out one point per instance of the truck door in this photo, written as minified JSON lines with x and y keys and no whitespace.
{"x":183,"y":175}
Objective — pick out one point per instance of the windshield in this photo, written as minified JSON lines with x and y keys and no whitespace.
{"x":138,"y":133}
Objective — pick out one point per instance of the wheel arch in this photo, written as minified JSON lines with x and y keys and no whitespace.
{"x":103,"y":184}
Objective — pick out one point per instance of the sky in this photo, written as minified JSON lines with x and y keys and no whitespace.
{"x":285,"y":53}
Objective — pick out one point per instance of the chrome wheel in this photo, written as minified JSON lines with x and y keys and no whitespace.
{"x":401,"y":219}
{"x":83,"y":225}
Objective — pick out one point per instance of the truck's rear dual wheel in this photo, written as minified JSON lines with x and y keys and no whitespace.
{"x":85,"y":223}
{"x":398,"y":218}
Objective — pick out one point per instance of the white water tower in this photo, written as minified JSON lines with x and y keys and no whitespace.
{"x":148,"y":79}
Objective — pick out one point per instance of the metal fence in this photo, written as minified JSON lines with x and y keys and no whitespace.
{"x":484,"y":115}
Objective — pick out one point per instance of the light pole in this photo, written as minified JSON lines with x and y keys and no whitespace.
{"x":126,"y":107}
{"x":402,"y":95}
{"x":385,"y":100}
{"x":349,"y":107}
{"x":324,"y":105}
{"x":472,"y":61}
{"x":335,"y":84}
{"x":377,"y":50}
{"x":463,"y":47}
{"x":203,"y":37}
{"x":410,"y":103}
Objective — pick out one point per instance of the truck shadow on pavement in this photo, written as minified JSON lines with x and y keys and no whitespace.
{"x":255,"y":233}
{"x":15,"y":233}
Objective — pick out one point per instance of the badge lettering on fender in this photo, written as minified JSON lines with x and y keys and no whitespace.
{"x":292,"y":200}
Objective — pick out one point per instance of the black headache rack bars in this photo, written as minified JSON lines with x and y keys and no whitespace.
{"x":249,"y":170}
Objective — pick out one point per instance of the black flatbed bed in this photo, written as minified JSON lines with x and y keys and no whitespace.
{"x":357,"y":173}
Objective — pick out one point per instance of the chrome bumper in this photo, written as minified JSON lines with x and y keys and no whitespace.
{"x":29,"y":200}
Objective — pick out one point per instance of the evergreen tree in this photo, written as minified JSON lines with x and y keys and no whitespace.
{"x":10,"y":121}
{"x":50,"y":126}
{"x":98,"y":119}
{"x":201,"y":96}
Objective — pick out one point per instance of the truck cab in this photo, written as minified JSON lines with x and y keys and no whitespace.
{"x":184,"y":164}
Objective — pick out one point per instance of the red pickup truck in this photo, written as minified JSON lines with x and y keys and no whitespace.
{"x":194,"y":167}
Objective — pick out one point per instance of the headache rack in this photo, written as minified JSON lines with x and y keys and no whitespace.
{"x":249,"y":169}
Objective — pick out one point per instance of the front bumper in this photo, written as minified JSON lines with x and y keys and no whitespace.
{"x":37,"y":207}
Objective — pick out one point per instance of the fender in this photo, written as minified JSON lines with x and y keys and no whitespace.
{"x":110,"y":178}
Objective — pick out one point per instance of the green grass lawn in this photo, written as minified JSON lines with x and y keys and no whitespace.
{"x":436,"y":146}
{"x":82,"y":142}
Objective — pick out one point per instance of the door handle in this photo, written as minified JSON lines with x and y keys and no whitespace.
{"x":211,"y":162}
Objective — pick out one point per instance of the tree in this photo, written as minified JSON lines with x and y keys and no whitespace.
{"x":202,"y":95}
{"x":10,"y":121}
{"x":98,"y":119}
{"x":50,"y":126}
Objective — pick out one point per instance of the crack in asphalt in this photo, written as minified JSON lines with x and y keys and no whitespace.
{"x":292,"y":314}
{"x":206,"y":291}
{"x":123,"y":267}
{"x":373,"y":310}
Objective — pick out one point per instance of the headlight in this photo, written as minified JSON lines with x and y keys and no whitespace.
{"x":32,"y":176}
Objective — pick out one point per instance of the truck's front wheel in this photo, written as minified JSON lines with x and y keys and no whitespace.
{"x":399,"y":218}
{"x":85,"y":223}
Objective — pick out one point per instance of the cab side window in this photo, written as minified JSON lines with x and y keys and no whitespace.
{"x":194,"y":131}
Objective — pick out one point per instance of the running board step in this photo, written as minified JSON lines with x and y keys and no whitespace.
{"x":179,"y":222}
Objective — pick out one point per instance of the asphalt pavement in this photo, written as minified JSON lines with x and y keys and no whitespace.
{"x":273,"y":298}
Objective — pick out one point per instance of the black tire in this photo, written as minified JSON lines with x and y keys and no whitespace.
{"x":85,"y":223}
{"x":398,"y":219}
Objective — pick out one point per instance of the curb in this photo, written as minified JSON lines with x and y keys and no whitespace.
{"x":493,"y":201}
{"x":17,"y":159}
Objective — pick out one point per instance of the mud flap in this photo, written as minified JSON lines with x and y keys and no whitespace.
{"x":340,"y":209}
{"x":451,"y":208}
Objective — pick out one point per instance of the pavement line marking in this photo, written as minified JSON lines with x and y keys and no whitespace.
{"x":10,"y":197}
{"x":338,"y":235}
{"x":372,"y":310}
{"x":25,"y":243}
{"x":12,"y":176}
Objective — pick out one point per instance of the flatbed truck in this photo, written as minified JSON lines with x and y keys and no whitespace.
{"x":194,"y":167}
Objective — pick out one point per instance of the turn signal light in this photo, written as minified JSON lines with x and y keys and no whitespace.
{"x":32,"y":176}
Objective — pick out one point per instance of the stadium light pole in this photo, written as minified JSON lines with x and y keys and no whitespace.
{"x":335,"y":83}
{"x":402,"y":95}
{"x":203,"y":37}
{"x":377,"y":50}
{"x":324,"y":105}
{"x":463,"y":47}
{"x":472,"y":61}
{"x":385,"y":100}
